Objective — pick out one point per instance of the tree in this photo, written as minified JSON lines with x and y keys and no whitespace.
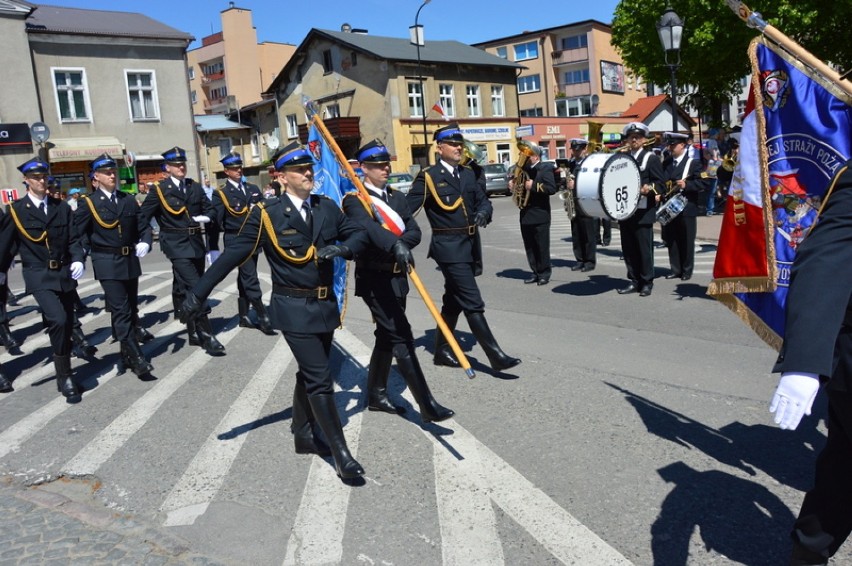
{"x":715,"y":41}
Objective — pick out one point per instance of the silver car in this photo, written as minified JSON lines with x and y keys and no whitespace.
{"x":400,"y":182}
{"x":496,"y":179}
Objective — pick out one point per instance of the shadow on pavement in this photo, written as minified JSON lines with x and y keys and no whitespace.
{"x":594,"y":285}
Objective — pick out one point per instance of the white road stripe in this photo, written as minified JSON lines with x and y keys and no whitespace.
{"x":110,"y":439}
{"x":317,"y":534}
{"x":206,"y":473}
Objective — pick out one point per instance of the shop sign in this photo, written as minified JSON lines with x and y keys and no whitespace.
{"x":13,"y":135}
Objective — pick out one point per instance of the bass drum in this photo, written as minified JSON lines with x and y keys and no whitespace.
{"x":608,"y":185}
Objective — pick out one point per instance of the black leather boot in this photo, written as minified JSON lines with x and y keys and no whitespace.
{"x":6,"y":337}
{"x":497,"y":357}
{"x":5,"y":384}
{"x":305,"y":438}
{"x":65,"y":379}
{"x":140,"y":333}
{"x":263,"y":322}
{"x":326,"y":415}
{"x":377,"y":383}
{"x":193,"y":333}
{"x":205,"y":335}
{"x":177,"y":303}
{"x":82,"y":348}
{"x":409,"y":367}
{"x":242,"y":307}
{"x":443,"y":353}
{"x":134,"y":359}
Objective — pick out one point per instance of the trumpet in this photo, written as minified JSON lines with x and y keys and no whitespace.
{"x":518,"y":184}
{"x":729,"y":162}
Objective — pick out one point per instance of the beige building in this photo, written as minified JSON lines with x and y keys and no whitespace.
{"x":104,"y":82}
{"x":231,"y":68}
{"x":368,"y":87}
{"x":570,"y":71}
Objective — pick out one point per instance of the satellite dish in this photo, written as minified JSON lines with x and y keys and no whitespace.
{"x":272,"y":143}
{"x":40,"y":132}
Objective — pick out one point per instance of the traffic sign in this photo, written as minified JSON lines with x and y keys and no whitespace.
{"x":524,"y":131}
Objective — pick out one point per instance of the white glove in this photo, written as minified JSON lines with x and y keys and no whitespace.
{"x":201,"y":219}
{"x":793,"y":398}
{"x":142,"y":249}
{"x":212,"y":256}
{"x":77,"y":270}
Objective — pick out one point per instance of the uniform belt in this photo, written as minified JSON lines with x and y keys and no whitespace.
{"x":320,"y":293}
{"x":53,"y":264}
{"x":124,"y":250}
{"x":191,"y":230}
{"x":391,"y":267}
{"x":467,"y":230}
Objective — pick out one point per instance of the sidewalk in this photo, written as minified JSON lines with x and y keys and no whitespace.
{"x":40,"y":526}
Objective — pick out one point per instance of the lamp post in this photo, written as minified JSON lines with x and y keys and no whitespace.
{"x":670,"y":30}
{"x":416,"y":34}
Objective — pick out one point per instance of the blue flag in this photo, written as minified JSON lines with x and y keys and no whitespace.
{"x":329,"y":182}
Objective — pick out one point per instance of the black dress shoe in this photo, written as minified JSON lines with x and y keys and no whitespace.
{"x":629,"y":289}
{"x":606,"y":243}
{"x":673,"y":276}
{"x":543,"y":281}
{"x":646,"y":291}
{"x":588,"y":267}
{"x":686,"y":277}
{"x":577,"y":266}
{"x":530,"y":280}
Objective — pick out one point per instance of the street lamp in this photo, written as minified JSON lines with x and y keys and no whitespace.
{"x":670,"y":30}
{"x":416,"y":34}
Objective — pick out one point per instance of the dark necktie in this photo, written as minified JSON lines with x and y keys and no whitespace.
{"x":456,"y":173}
{"x":112,"y":199}
{"x":309,"y":220}
{"x":182,"y":188}
{"x":43,"y":208}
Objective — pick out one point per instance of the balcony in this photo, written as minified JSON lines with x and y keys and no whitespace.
{"x":576,"y":89}
{"x":216,"y":104}
{"x":207,"y":79}
{"x":569,"y":56}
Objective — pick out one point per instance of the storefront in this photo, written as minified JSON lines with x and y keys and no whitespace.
{"x":70,"y":157}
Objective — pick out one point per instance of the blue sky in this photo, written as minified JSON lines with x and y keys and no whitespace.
{"x":289,"y":21}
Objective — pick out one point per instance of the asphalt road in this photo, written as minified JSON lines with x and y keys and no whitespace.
{"x":635,"y":431}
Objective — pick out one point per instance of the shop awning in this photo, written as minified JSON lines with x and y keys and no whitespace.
{"x":84,"y":149}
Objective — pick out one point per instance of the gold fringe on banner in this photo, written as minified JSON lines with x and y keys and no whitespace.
{"x":752,"y":321}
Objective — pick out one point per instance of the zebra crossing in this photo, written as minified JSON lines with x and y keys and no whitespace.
{"x":170,"y":449}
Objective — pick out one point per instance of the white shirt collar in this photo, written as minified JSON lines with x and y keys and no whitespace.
{"x":37,"y":201}
{"x":297,"y":202}
{"x":374,"y":188}
{"x":449,"y":167}
{"x":106,"y":193}
{"x":176,"y":181}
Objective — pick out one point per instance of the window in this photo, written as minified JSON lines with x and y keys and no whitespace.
{"x":531,"y":83}
{"x":447,"y":100}
{"x":741,"y":106}
{"x":578,"y":106}
{"x":415,"y":100}
{"x":225,"y":146}
{"x":577,"y":77}
{"x":532,"y":112}
{"x":292,"y":126}
{"x":142,"y":91}
{"x":353,"y":57}
{"x":332,"y":111}
{"x":497,"y":106}
{"x":504,"y":153}
{"x":218,"y":93}
{"x":72,"y":95}
{"x":502,"y":52}
{"x":561,"y":152}
{"x":326,"y":61}
{"x":526,"y":51}
{"x":192,"y":73}
{"x":194,"y":96}
{"x":473,"y":109}
{"x":255,"y":145}
{"x":213,"y":68}
{"x":575,"y":42}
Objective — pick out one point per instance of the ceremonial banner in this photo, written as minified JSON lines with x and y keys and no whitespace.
{"x":796,"y":135}
{"x":329,"y":182}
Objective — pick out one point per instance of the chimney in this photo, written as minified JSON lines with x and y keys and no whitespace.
{"x":346,"y":28}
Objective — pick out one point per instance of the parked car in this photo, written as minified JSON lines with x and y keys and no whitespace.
{"x":496,"y":179}
{"x":400,"y":182}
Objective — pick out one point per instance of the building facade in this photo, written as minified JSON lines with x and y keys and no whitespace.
{"x":369,"y":87}
{"x":231,"y":68}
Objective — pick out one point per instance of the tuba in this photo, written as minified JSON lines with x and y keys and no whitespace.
{"x":518,"y":184}
{"x":472,"y":152}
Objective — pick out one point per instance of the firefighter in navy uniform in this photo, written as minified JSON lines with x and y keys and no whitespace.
{"x":584,"y":228}
{"x":682,"y":175}
{"x":232,"y":202}
{"x":818,"y":349}
{"x":381,"y":280}
{"x":637,"y":232}
{"x":107,"y":220}
{"x":180,"y":207}
{"x":41,"y":229}
{"x":535,"y":217}
{"x":457,"y":207}
{"x":299,"y":234}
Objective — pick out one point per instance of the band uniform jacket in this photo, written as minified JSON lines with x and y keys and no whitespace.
{"x":378,"y":252}
{"x":818,"y":329}
{"x":454,"y":233}
{"x":231,"y":208}
{"x":112,"y":236}
{"x":286,"y":251}
{"x":650,"y":173}
{"x":46,"y":246}
{"x":180,"y":235}
{"x":696,"y":185}
{"x":537,"y":210}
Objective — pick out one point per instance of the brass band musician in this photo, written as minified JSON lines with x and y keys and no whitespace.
{"x":584,"y":228}
{"x":535,"y":217}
